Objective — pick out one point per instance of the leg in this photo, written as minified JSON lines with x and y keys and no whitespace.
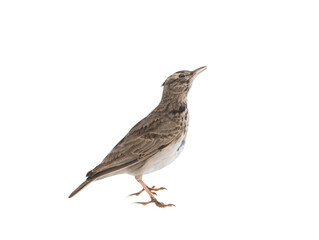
{"x":152,"y":189}
{"x":153,"y":199}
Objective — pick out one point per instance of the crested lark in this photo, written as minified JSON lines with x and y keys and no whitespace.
{"x":154,"y":142}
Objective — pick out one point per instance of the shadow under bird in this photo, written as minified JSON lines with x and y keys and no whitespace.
{"x":154,"y":142}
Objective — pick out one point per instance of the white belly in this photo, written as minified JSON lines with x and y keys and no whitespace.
{"x":164,"y":157}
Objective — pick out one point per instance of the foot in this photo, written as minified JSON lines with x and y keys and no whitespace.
{"x":152,"y":189}
{"x":157,"y":203}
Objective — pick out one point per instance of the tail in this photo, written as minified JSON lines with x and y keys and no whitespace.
{"x":79,"y":188}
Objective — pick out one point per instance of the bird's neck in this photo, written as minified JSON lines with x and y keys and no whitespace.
{"x":174,"y":99}
{"x":174,"y":103}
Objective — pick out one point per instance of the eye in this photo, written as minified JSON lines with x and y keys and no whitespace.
{"x":181,"y":75}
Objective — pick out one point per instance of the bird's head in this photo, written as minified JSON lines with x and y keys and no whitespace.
{"x":180,"y":82}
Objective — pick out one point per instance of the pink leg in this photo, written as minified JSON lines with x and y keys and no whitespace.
{"x":153,"y":199}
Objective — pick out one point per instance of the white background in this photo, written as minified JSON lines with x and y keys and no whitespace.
{"x":77,"y":75}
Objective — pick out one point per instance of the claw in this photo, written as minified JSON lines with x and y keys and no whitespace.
{"x":157,"y":203}
{"x":157,"y":189}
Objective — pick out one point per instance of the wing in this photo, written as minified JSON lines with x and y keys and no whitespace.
{"x":144,"y":140}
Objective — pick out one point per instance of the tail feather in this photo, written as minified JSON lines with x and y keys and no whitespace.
{"x":79,"y":188}
{"x":99,"y":172}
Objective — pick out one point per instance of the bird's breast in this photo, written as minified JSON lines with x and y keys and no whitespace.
{"x":164,"y":157}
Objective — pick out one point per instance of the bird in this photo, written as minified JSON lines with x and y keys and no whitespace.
{"x":154,"y":142}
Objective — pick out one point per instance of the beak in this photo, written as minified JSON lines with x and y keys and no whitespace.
{"x":199,"y":70}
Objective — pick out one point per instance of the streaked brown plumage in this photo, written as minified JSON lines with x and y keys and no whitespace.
{"x":155,"y":141}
